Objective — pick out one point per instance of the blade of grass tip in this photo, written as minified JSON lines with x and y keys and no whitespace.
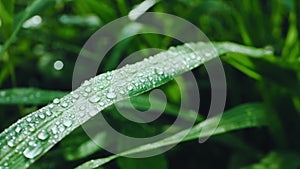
{"x":240,"y":117}
{"x":226,"y":47}
{"x":29,"y":96}
{"x":32,"y":136}
{"x":141,"y":8}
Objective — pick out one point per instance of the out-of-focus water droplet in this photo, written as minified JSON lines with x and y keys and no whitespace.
{"x":2,"y":93}
{"x":58,"y":65}
{"x":43,"y":135}
{"x":32,"y":151}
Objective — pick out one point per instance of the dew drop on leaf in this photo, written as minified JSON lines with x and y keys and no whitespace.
{"x":67,"y":122}
{"x":32,"y":151}
{"x":42,"y":116}
{"x":61,"y":128}
{"x":43,"y":135}
{"x":56,"y":101}
{"x":75,"y":95}
{"x":54,"y":130}
{"x":10,"y":143}
{"x":111,"y":95}
{"x":29,"y":119}
{"x":130,"y":87}
{"x":64,"y":104}
{"x":88,"y":89}
{"x":94,"y":99}
{"x":48,"y":113}
{"x":18,"y":129}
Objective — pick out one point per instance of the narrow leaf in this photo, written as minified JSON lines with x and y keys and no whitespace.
{"x":30,"y":96}
{"x":240,"y":117}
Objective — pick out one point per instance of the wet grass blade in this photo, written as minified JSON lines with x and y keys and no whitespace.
{"x":32,"y":136}
{"x":240,"y":117}
{"x":29,"y":96}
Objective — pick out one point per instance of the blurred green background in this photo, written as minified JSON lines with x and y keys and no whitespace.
{"x":40,"y":41}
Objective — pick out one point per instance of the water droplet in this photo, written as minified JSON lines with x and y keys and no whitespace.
{"x":85,"y":94}
{"x":108,"y":77}
{"x":58,"y":65}
{"x":54,"y":130}
{"x":51,"y":106}
{"x":61,"y":128}
{"x":64,"y":104}
{"x":10,"y":143}
{"x":88,"y":89}
{"x":67,"y":122}
{"x":56,"y":101}
{"x":94,"y":99}
{"x":129,"y":87}
{"x":48,"y":113}
{"x":43,"y":135}
{"x":28,"y":119}
{"x":42,"y":116}
{"x":158,"y":71}
{"x":92,"y":111}
{"x":122,"y":92}
{"x":111,"y":95}
{"x":32,"y":151}
{"x":18,"y":129}
{"x":75,"y":95}
{"x":86,"y":83}
{"x":81,"y":108}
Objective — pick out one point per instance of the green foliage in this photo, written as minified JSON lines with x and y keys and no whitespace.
{"x":264,"y":68}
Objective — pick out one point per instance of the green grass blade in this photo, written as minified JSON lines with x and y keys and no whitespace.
{"x":240,"y":117}
{"x":32,"y":136}
{"x":29,"y":96}
{"x":229,"y":47}
{"x":278,"y":160}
